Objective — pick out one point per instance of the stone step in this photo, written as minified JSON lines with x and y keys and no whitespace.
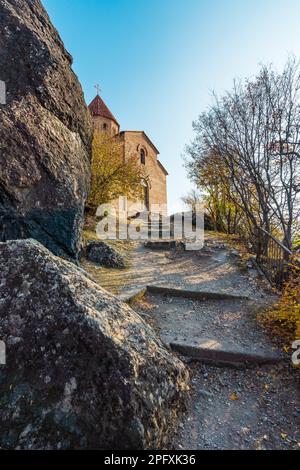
{"x":217,"y":352}
{"x":156,"y":229}
{"x":161,"y":244}
{"x":133,"y":294}
{"x":191,"y":294}
{"x":193,"y":246}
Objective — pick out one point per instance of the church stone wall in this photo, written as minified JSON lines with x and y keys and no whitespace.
{"x":134,"y":142}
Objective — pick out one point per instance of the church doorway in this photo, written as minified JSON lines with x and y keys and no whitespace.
{"x":145,"y":195}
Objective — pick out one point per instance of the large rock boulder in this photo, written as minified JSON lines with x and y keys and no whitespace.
{"x":102,"y":253}
{"x":83,"y":369}
{"x":45,"y":132}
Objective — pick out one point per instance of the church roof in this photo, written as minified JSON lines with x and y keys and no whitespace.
{"x":98,"y":108}
{"x":145,"y":136}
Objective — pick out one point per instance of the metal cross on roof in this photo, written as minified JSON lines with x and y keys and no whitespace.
{"x":98,"y":89}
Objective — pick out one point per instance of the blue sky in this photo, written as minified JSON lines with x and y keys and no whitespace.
{"x":158,"y":61}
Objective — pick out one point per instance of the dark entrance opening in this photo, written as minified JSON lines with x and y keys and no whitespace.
{"x":146,"y":195}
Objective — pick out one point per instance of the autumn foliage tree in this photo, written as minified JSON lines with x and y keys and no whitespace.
{"x":245,"y":158}
{"x":113,"y":173}
{"x":246,"y":154}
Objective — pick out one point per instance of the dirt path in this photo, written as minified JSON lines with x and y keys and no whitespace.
{"x":183,"y":320}
{"x":214,"y":270}
{"x":241,"y":409}
{"x":255,"y":407}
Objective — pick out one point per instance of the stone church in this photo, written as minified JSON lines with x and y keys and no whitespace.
{"x":139,"y":146}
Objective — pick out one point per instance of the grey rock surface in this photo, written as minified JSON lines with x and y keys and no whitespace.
{"x":45,"y":133}
{"x":83,"y":370}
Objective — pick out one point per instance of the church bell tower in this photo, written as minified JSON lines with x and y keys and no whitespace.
{"x":103,"y":119}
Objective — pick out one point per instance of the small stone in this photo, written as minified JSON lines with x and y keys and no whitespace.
{"x":102,"y":253}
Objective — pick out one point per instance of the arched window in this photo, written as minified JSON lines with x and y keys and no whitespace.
{"x":105,"y":126}
{"x":143,"y":157}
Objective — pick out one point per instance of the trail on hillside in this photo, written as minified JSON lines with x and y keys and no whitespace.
{"x":230,"y":406}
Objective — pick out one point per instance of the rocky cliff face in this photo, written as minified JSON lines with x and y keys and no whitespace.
{"x":45,"y":132}
{"x":83,"y":370}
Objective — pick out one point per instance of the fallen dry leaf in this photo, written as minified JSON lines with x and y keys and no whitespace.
{"x":234,"y":396}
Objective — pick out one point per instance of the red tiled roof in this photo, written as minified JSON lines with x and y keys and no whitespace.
{"x":98,"y":108}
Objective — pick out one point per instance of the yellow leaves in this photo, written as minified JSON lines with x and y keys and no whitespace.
{"x":234,"y":396}
{"x":283,"y":318}
{"x":283,"y":436}
{"x":266,"y":386}
{"x":113,"y":175}
{"x":286,"y":348}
